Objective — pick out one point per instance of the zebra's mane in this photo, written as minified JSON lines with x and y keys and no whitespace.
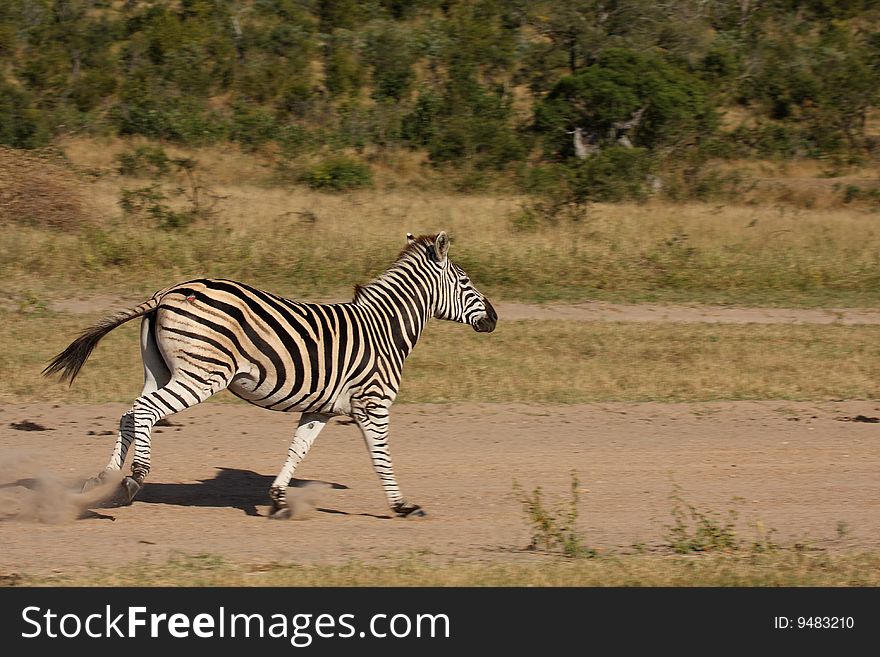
{"x":415,"y":247}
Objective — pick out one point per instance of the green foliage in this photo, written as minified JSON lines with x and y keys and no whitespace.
{"x":252,"y":126}
{"x":390,"y":56}
{"x":339,"y":174}
{"x":89,"y":89}
{"x":343,"y":70}
{"x":613,"y":174}
{"x":622,"y":82}
{"x":155,"y":113}
{"x":21,"y":124}
{"x":468,"y":123}
{"x":819,"y":87}
{"x":447,"y":77}
{"x":554,"y":530}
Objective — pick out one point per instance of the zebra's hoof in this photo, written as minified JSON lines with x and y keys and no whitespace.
{"x":131,"y":488}
{"x":90,"y":484}
{"x":283,"y":513}
{"x":410,"y":511}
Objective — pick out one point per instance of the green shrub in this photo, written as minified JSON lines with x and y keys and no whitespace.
{"x":389,"y":54}
{"x":294,"y":139}
{"x":613,"y":174}
{"x":252,"y":127}
{"x":21,"y":125}
{"x":339,"y":174}
{"x":543,"y":179}
{"x":158,"y":114}
{"x":90,"y":88}
{"x":554,"y":530}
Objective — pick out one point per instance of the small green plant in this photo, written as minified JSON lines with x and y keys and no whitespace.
{"x":554,"y":530}
{"x":339,"y":174}
{"x":854,"y":193}
{"x":30,"y":302}
{"x":764,"y":539}
{"x":145,"y":161}
{"x":540,"y":213}
{"x":150,"y":201}
{"x":693,"y":530}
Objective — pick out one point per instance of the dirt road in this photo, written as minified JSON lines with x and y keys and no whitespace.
{"x":803,"y":469}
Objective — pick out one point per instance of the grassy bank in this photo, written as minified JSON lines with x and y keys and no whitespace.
{"x":300,"y":242}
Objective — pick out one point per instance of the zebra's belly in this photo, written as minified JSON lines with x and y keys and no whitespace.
{"x":285,"y":400}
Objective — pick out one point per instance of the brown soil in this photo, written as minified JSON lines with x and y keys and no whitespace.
{"x":800,"y":468}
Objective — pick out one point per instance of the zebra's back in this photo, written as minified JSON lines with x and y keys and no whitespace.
{"x":273,"y":352}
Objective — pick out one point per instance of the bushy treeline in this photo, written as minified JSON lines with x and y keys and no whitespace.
{"x":482,"y":84}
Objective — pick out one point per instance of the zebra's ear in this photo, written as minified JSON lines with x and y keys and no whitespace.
{"x":409,"y":238}
{"x":441,"y":246}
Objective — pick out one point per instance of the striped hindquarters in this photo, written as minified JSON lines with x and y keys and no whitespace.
{"x":276,"y":353}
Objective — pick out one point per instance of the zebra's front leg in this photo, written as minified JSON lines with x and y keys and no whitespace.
{"x":372,"y":418}
{"x":310,"y":425}
{"x":123,"y":441}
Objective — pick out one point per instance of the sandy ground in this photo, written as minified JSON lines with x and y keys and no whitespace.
{"x":800,"y":468}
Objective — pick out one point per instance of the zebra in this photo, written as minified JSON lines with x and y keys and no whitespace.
{"x":321,"y":360}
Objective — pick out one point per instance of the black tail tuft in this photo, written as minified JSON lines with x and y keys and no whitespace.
{"x":70,"y":361}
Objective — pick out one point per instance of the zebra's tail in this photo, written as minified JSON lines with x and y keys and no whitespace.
{"x":69,"y":362}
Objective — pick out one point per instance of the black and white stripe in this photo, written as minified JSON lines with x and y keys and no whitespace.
{"x":320,"y":360}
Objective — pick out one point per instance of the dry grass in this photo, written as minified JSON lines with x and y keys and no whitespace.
{"x":302,"y":244}
{"x":38,"y":190}
{"x":801,"y":184}
{"x":308,"y":244}
{"x":530,"y":361}
{"x":779,"y":568}
{"x":569,"y":362}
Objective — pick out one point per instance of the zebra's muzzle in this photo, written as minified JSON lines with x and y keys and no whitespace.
{"x":486,"y":324}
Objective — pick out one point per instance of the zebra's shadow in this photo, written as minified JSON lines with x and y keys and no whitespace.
{"x":231,"y":487}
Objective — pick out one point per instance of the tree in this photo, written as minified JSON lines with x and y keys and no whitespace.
{"x":671,"y":105}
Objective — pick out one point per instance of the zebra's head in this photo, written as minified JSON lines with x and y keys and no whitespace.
{"x":457,"y":298}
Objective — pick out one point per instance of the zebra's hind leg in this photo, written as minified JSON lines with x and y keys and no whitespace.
{"x":156,"y":375}
{"x":175,"y":396}
{"x":372,"y":418}
{"x":123,"y":441}
{"x":310,"y":425}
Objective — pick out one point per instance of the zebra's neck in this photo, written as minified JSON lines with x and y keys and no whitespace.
{"x":403,"y":299}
